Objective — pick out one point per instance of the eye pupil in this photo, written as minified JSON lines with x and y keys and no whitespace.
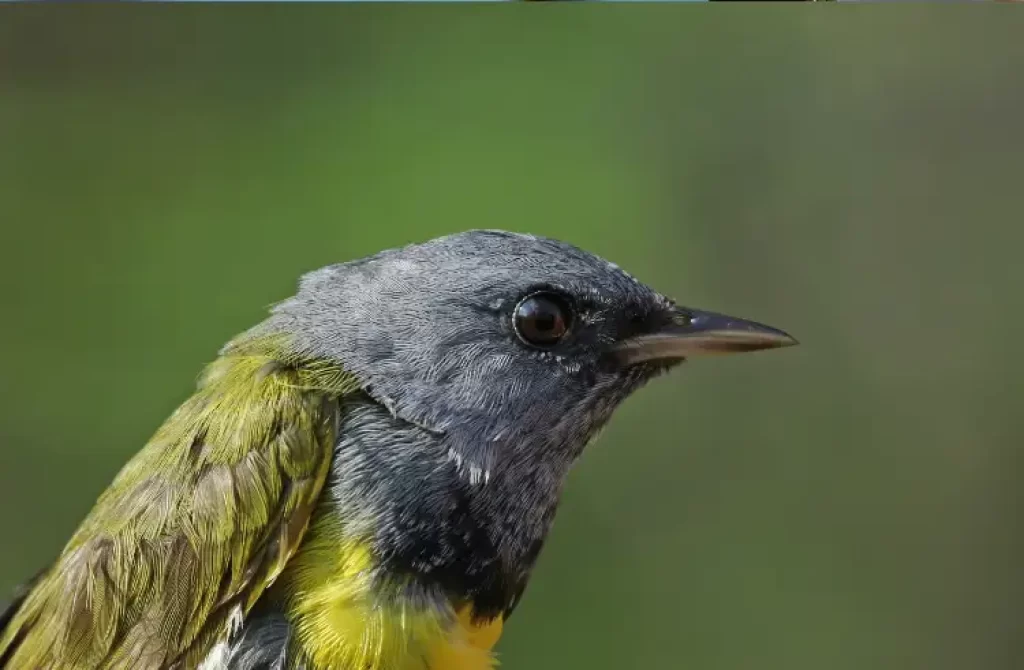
{"x":542,"y":319}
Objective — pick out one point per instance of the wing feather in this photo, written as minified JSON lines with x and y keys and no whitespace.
{"x":194,"y":528}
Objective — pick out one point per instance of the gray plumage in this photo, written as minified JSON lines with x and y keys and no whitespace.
{"x":426,"y":328}
{"x":458,"y":454}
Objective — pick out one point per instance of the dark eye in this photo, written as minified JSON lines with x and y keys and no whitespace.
{"x":542,"y":319}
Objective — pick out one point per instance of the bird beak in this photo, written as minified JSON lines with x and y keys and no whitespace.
{"x":691,"y":332}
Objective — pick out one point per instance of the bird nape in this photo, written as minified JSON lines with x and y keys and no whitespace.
{"x":365,"y":479}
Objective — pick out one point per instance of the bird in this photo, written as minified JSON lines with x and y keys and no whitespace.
{"x":365,"y":479}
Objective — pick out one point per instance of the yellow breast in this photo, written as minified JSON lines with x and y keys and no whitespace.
{"x":468,"y":646}
{"x":340,"y":623}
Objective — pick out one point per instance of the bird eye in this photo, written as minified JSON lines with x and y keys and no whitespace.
{"x":542,"y":319}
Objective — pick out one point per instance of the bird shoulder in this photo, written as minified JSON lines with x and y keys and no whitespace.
{"x":195,"y":526}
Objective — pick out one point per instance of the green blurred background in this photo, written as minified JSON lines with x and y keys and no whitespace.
{"x":853,"y":176}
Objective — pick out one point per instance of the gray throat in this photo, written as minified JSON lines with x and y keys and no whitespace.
{"x":456,"y":533}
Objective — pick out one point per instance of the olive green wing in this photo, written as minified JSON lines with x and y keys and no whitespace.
{"x":192,"y":530}
{"x":11,"y":607}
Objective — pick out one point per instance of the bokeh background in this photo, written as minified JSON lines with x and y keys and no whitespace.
{"x":852,"y":176}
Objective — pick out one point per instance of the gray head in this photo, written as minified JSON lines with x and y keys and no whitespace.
{"x":511,"y":346}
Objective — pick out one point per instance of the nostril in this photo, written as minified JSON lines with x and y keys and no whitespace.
{"x":681,"y":318}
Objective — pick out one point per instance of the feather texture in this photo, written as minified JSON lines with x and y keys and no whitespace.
{"x":343,"y":618}
{"x":195,"y":526}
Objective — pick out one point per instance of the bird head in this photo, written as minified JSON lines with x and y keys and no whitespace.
{"x":511,"y":346}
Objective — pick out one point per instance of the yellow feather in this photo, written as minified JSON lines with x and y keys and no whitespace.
{"x":342,"y":622}
{"x":468,"y":645}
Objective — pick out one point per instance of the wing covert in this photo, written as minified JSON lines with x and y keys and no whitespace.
{"x":194,"y":528}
